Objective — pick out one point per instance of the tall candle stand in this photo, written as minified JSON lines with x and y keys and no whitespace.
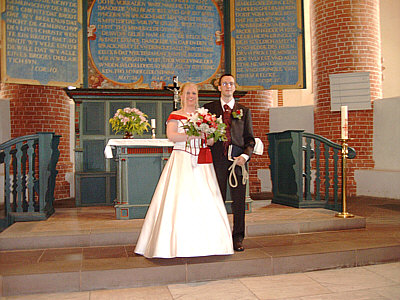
{"x":345,"y":152}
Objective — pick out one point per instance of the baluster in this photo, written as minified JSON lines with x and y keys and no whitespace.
{"x":307,"y":168}
{"x":18,"y":173}
{"x":14,"y":180}
{"x":31,"y":174}
{"x":23,"y":179}
{"x":317,"y":171}
{"x":335,"y":178}
{"x":53,"y":172}
{"x":7,"y":180}
{"x":35,"y":193}
{"x":327,"y":179}
{"x":45,"y":150}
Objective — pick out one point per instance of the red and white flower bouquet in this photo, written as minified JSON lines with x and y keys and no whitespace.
{"x":207,"y":126}
{"x":203,"y":123}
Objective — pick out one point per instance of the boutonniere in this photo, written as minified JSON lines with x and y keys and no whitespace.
{"x":237,"y":114}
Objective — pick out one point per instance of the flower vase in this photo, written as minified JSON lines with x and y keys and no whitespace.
{"x":128,"y":135}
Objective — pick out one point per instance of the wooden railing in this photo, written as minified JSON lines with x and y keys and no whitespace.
{"x":29,"y":176}
{"x":306,"y":169}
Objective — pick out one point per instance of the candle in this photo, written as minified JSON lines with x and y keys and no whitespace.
{"x":344,"y":123}
{"x":153,"y":123}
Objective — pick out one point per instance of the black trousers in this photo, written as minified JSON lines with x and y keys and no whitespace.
{"x":238,"y":196}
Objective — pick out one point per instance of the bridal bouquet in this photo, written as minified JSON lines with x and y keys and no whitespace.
{"x":130,"y":120}
{"x":204,"y":122}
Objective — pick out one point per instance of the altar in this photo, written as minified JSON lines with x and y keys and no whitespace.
{"x":139,"y":166}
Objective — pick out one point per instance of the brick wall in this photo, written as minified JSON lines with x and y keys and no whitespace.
{"x":345,"y":38}
{"x":35,"y":108}
{"x":259,"y":103}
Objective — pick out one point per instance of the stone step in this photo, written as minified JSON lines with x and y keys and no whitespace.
{"x":39,"y":235}
{"x":113,"y":267}
{"x":83,"y":249}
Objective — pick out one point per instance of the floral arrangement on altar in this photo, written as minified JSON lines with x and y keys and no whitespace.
{"x":129,"y":120}
{"x":204,"y":122}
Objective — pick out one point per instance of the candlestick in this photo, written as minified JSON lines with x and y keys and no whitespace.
{"x":345,"y":152}
{"x":344,"y":123}
{"x":153,"y":123}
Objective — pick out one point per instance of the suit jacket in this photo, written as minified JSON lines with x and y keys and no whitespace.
{"x":241,"y":130}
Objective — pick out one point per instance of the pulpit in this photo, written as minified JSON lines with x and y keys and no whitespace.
{"x":139,"y":166}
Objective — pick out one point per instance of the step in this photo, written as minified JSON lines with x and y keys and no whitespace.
{"x":83,"y":249}
{"x":59,"y":232}
{"x":113,"y":267}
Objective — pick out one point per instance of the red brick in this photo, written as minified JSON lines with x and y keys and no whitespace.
{"x":40,"y":108}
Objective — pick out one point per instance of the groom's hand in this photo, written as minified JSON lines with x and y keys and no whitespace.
{"x":240,"y":160}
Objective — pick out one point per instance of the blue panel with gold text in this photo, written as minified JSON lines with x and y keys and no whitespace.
{"x":267,"y":46}
{"x":41,"y":42}
{"x":143,"y":44}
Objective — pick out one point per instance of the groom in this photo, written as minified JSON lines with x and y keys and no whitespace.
{"x":240,"y":144}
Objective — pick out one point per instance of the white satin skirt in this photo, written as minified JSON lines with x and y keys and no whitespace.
{"x":187,"y":215}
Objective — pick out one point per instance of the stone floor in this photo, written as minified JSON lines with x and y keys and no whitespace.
{"x":303,"y":254}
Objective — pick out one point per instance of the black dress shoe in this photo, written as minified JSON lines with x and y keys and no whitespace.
{"x":238,"y":246}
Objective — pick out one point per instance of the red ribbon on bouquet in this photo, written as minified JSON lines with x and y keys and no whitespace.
{"x":205,"y":156}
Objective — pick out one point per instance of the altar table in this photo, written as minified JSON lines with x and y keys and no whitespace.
{"x":139,"y":166}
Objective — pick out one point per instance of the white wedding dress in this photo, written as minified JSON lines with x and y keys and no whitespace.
{"x":187,"y":215}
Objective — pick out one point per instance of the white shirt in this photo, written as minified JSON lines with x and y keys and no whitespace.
{"x":231,"y":103}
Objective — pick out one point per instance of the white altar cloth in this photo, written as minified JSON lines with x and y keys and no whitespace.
{"x":135,"y":142}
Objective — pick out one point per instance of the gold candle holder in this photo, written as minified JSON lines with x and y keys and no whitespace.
{"x":345,"y":152}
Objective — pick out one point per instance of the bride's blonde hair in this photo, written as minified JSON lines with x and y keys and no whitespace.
{"x":182,"y":88}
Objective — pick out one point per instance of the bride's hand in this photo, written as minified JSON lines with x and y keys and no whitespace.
{"x":210,"y":142}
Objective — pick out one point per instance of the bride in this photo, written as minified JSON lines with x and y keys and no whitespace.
{"x":187,"y":216}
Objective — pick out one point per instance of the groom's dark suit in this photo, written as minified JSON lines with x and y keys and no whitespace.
{"x":242,"y":136}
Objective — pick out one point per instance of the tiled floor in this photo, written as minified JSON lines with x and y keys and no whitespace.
{"x":367,"y":282}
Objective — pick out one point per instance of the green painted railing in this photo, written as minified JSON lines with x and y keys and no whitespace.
{"x":305,"y":169}
{"x":29,"y":176}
